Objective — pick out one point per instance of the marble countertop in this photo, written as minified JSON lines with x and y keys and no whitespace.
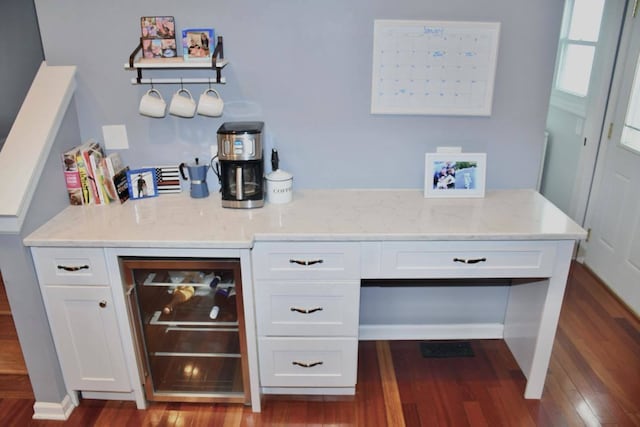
{"x":178,"y":221}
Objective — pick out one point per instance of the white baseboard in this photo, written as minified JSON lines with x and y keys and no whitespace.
{"x":53,"y":411}
{"x":431,"y":332}
{"x":343,"y":391}
{"x":108,"y":395}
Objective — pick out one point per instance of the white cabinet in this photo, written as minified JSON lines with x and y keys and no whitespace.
{"x":307,"y":306}
{"x":84,"y":327}
{"x":81,"y":311}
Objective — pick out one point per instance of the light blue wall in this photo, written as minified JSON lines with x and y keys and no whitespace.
{"x":304,"y":67}
{"x":18,"y":272}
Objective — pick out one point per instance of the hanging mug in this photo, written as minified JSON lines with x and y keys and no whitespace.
{"x":182,"y":104}
{"x":152,"y":104}
{"x":210,"y":103}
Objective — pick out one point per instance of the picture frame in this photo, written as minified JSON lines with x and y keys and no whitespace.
{"x":142,"y":183}
{"x":158,"y":37}
{"x":455,"y":175}
{"x":198,"y":44}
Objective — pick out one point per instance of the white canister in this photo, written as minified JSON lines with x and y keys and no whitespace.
{"x":279,"y":187}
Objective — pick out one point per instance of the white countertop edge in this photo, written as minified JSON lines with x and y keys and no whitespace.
{"x":293,"y":238}
{"x":139,"y":244}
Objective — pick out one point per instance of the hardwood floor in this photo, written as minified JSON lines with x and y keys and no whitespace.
{"x":593,"y":380}
{"x":14,"y":381}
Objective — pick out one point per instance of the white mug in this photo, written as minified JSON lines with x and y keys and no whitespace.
{"x":182,"y":104}
{"x":152,"y":104}
{"x":210,"y":103}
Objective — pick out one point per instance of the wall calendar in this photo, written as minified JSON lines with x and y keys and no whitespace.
{"x":434,"y":67}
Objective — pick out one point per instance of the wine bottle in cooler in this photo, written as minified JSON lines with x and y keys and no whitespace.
{"x":224,"y":308}
{"x":181,"y":294}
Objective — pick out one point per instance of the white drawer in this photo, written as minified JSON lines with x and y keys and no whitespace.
{"x":70,"y":266}
{"x":307,"y":308}
{"x":493,"y":259}
{"x":308,"y":362}
{"x":306,"y":260}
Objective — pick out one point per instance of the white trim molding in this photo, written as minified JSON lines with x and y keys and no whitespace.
{"x":53,"y":411}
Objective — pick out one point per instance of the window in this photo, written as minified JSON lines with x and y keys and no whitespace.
{"x":631,"y":129}
{"x":576,"y":51}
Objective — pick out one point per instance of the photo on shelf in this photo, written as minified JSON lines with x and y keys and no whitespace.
{"x":197,"y":43}
{"x":454,"y":175}
{"x":142,"y":183}
{"x":158,"y":37}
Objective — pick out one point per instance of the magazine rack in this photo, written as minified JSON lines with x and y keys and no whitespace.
{"x":217,"y":63}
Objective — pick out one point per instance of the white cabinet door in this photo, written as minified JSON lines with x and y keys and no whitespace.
{"x":85,"y":330}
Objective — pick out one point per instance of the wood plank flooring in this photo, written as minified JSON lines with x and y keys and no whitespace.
{"x":593,"y":380}
{"x":14,"y":381}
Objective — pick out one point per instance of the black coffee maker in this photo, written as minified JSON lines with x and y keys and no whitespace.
{"x":241,"y":164}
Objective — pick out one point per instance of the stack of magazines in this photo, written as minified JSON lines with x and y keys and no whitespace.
{"x":93,"y":178}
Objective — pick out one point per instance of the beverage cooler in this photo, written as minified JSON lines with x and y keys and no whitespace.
{"x":187,"y":318}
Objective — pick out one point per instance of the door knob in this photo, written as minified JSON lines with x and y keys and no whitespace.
{"x":102,"y":304}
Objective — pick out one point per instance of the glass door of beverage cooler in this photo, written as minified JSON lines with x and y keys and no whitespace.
{"x":190,"y":328}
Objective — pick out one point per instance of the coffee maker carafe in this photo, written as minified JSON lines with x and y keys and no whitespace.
{"x":241,"y":164}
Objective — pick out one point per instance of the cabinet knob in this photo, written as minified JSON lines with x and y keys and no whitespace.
{"x":102,"y":304}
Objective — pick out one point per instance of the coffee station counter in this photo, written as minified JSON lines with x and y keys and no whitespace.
{"x":178,"y":221}
{"x":313,"y":255}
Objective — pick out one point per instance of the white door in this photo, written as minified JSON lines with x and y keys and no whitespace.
{"x":85,"y":331}
{"x":613,"y":250}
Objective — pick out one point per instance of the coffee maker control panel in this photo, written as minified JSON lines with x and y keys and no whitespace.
{"x":240,"y":141}
{"x":243,"y":147}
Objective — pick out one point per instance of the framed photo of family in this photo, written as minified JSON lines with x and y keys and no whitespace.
{"x":198,"y":44}
{"x":158,"y":37}
{"x":455,"y":175}
{"x":142,"y":183}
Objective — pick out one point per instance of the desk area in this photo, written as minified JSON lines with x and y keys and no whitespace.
{"x":308,"y":258}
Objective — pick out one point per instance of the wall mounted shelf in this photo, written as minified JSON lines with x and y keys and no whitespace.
{"x":217,"y":63}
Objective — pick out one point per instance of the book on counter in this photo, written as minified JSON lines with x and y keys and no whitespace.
{"x":72,"y":176}
{"x":93,"y":178}
{"x":115,"y":178}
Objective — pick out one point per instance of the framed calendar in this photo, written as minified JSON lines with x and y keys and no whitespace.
{"x":434,"y":67}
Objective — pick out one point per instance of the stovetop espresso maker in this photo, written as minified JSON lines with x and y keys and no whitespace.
{"x":198,"y":177}
{"x":241,"y":164}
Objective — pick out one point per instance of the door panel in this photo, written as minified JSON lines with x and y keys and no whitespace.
{"x":613,"y":251}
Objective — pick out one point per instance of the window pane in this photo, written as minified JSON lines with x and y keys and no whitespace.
{"x":631,"y":129}
{"x":575,"y":69}
{"x":585,"y":20}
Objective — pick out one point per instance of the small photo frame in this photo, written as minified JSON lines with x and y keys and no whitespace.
{"x":455,"y":175}
{"x":158,"y":37}
{"x":197,"y":44}
{"x":142,"y":183}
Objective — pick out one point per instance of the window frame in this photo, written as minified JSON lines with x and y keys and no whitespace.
{"x":560,"y":98}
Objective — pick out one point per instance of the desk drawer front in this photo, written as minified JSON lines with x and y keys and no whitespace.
{"x":302,"y":260}
{"x":308,"y":362}
{"x":70,"y":266}
{"x":467,"y":259}
{"x":308,"y":309}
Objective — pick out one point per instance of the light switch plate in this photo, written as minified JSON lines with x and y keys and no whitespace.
{"x":115,"y":137}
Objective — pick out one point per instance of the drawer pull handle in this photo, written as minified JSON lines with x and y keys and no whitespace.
{"x":78,"y":268}
{"x":469,"y":261}
{"x":299,"y":262}
{"x":102,"y":304}
{"x":307,"y":365}
{"x":305,"y":311}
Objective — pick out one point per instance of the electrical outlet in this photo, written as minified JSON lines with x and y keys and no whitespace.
{"x":213,"y":149}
